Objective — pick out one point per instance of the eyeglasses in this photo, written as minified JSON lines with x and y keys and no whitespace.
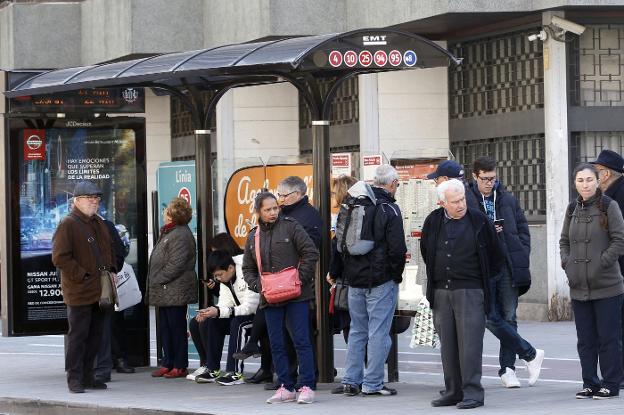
{"x":90,"y":198}
{"x":486,"y":179}
{"x":284,"y":196}
{"x":397,"y":183}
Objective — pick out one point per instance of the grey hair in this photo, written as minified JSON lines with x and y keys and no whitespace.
{"x":385,"y":175}
{"x":452,"y":185}
{"x":294,"y":183}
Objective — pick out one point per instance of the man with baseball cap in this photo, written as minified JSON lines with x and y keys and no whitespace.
{"x":82,"y":249}
{"x":448,"y":169}
{"x":610,"y":167}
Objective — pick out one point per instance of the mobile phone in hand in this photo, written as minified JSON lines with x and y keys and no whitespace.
{"x":499,"y":222}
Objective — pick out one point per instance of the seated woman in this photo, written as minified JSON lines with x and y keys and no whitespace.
{"x":233,"y":316}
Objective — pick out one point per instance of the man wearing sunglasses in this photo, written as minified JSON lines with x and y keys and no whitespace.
{"x":503,"y":209}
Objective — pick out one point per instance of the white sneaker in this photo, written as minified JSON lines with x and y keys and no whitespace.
{"x":509,"y":379}
{"x":535,"y":366}
{"x":199,"y":371}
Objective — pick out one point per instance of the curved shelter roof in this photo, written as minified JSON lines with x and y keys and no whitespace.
{"x":359,"y":51}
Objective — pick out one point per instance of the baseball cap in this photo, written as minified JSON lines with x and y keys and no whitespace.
{"x":449,"y":168}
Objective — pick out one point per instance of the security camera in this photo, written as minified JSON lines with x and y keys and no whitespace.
{"x":566,"y":25}
{"x":542,"y":35}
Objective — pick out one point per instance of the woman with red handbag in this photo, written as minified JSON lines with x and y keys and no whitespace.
{"x":279,"y":263}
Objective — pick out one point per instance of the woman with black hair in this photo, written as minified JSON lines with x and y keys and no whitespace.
{"x":592,"y":240}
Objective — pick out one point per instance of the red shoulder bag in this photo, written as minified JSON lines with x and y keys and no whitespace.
{"x":277,"y":287}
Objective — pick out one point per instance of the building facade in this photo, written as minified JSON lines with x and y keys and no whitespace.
{"x":538,"y":107}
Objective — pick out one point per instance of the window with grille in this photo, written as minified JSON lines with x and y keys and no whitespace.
{"x":596,"y":66}
{"x":520,"y":167}
{"x":344,"y":106}
{"x":182,"y":127}
{"x":499,"y":74}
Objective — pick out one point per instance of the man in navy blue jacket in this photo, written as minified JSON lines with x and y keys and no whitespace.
{"x":512,"y":229}
{"x":610,"y":167}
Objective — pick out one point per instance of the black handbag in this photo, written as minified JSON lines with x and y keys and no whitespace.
{"x":341,"y":296}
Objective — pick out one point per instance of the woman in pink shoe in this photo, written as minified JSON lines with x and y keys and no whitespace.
{"x":284,"y":243}
{"x":172,"y":285}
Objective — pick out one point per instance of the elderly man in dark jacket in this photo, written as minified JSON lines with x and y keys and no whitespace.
{"x":291,"y":193}
{"x":503,"y":209}
{"x":610,"y":167}
{"x":462,"y":254}
{"x":373,"y":280}
{"x":82,"y":249}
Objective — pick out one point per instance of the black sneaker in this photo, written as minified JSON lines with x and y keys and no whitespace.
{"x":228,"y":379}
{"x":350,"y":390}
{"x":208,"y":377}
{"x":605,"y":393}
{"x":247,"y":351}
{"x":586,"y":393}
{"x":384,"y":391}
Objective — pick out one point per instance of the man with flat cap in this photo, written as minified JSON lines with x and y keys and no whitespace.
{"x":610,"y":167}
{"x":82,"y":248}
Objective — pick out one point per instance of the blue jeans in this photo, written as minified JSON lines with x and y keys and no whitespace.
{"x":502,"y":322}
{"x":371,"y":312}
{"x":298,"y":322}
{"x":598,"y":329}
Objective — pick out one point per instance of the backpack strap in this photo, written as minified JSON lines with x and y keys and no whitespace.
{"x":571,"y":207}
{"x":605,"y":201}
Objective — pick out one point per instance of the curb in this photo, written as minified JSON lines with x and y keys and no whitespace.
{"x":21,"y":406}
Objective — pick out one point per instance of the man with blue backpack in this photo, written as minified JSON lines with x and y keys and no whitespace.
{"x":370,"y":246}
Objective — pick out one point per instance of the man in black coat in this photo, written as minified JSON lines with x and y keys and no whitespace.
{"x":512,"y":229}
{"x":610,"y":167}
{"x":461,"y":254}
{"x":291,"y":195}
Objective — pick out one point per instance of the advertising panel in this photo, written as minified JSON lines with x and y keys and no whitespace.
{"x":176,"y":179}
{"x":43,"y":187}
{"x":243,"y":187}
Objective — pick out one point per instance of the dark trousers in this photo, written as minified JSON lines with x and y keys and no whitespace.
{"x":83,"y":341}
{"x":104,"y":358}
{"x":259,"y":334}
{"x":213,"y":332}
{"x":459,"y":318}
{"x":501,"y":321}
{"x":297,"y":316}
{"x":598,"y":329}
{"x":173,"y":336}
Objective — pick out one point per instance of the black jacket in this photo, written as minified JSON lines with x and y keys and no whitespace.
{"x":308,"y":217}
{"x":283,"y":244}
{"x":118,"y":246}
{"x":515,"y":239}
{"x":616,"y":192}
{"x":491,"y":257}
{"x":387,"y":259}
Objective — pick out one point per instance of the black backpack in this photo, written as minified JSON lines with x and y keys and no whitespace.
{"x":603,"y":205}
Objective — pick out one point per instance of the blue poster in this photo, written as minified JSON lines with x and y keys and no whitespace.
{"x":176,"y":179}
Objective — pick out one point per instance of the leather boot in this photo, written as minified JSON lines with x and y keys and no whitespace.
{"x":123,"y":367}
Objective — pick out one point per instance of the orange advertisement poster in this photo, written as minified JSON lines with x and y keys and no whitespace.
{"x":243,"y":187}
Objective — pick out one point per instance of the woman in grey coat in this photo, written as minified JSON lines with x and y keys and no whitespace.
{"x":172,"y":284}
{"x":591,"y":242}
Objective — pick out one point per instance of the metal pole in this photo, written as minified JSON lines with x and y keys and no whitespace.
{"x":321,"y":174}
{"x":155,"y":233}
{"x":203,"y":172}
{"x":393,"y":356}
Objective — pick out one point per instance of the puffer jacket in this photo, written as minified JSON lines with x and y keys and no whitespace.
{"x":248,"y":299}
{"x":515,"y":239}
{"x":590,"y":253}
{"x":283,"y":244}
{"x":171,"y":278}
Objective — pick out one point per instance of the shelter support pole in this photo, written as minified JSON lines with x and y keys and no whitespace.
{"x":321,"y":174}
{"x":203,"y":172}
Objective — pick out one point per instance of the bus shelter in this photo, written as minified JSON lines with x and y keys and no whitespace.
{"x":316,"y":65}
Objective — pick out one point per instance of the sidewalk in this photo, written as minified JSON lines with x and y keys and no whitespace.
{"x":34,"y":383}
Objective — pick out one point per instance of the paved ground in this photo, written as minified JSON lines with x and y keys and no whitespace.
{"x":33,"y":382}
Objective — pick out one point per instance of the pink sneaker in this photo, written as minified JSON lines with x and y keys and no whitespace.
{"x":306,"y":395}
{"x":282,"y":395}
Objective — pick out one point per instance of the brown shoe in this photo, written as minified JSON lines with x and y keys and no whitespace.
{"x":160,"y":372}
{"x":176,"y":373}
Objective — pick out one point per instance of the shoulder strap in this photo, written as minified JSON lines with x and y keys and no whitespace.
{"x":91,"y":240}
{"x":257,"y":247}
{"x":229,"y":285}
{"x":570,"y":209}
